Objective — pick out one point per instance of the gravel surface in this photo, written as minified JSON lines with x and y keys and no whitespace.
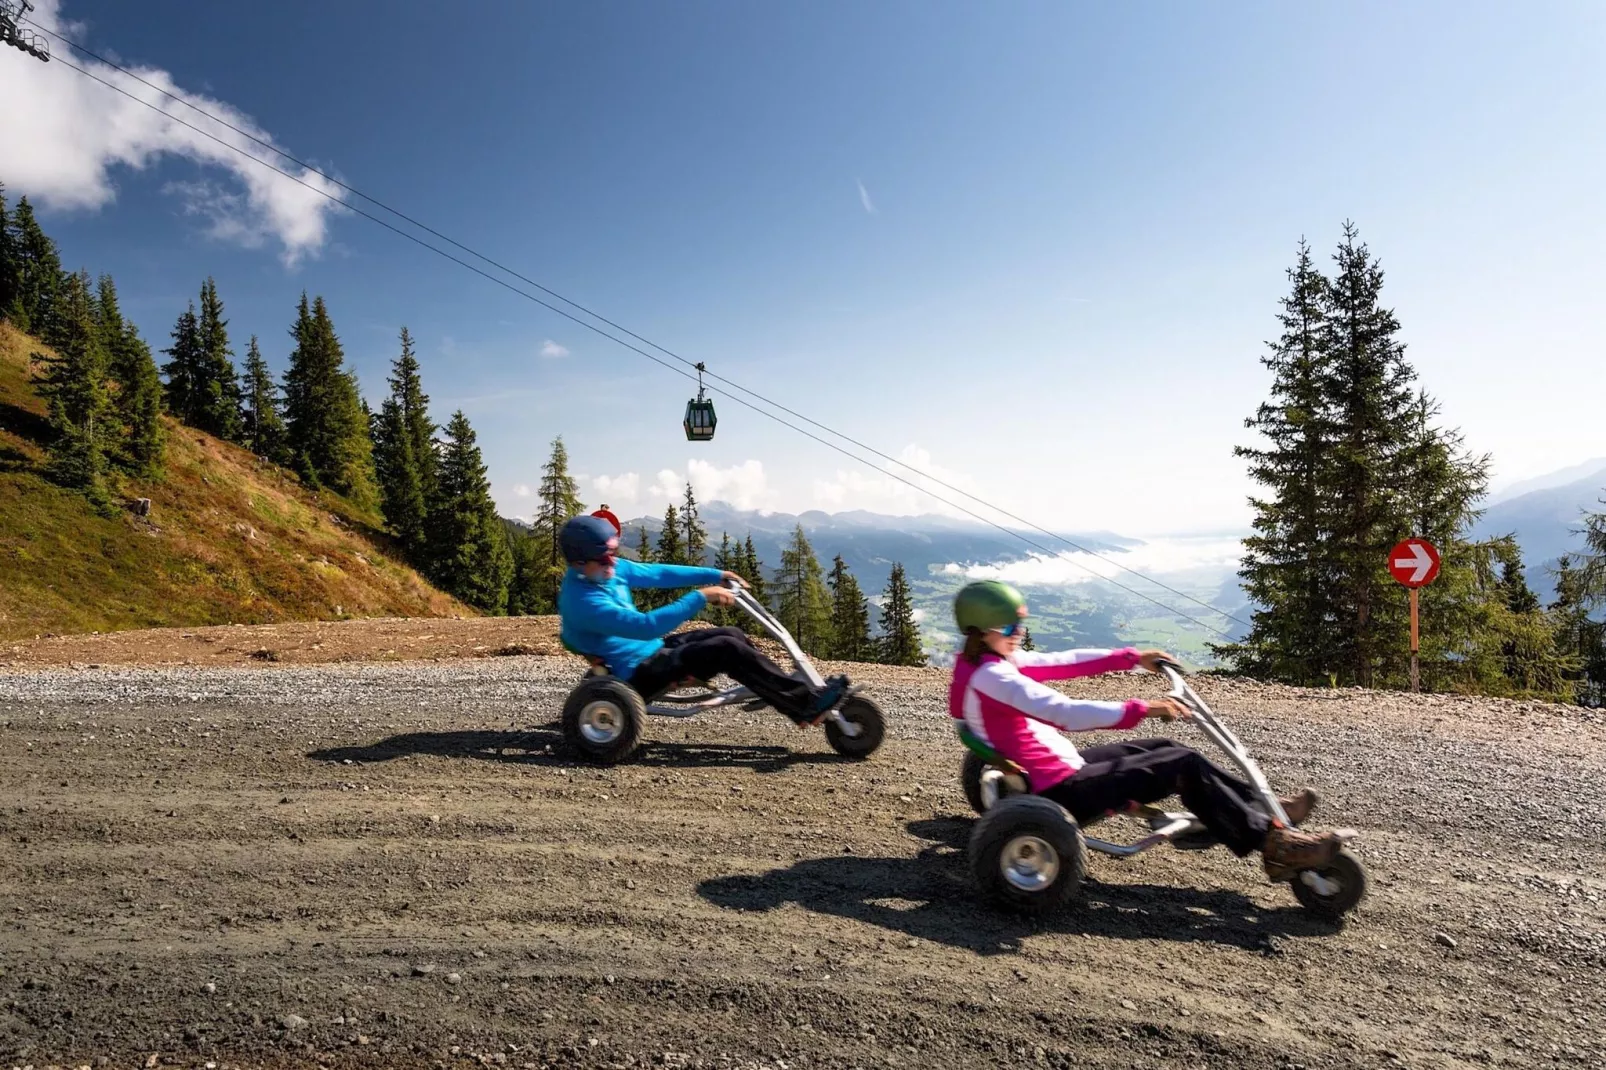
{"x":397,"y":865}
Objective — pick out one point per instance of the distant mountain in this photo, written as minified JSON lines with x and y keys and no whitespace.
{"x":1088,"y":613}
{"x":1593,"y":470}
{"x":1545,"y":521}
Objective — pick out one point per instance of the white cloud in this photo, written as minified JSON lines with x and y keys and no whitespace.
{"x":879,"y":492}
{"x":864,"y":198}
{"x":549,"y":348}
{"x":62,"y":134}
{"x":745,"y":485}
{"x":521,"y":491}
{"x":620,"y":492}
{"x":1214,"y":555}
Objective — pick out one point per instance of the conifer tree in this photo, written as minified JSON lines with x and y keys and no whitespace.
{"x":403,"y":453}
{"x":671,"y":550}
{"x":1579,"y":634}
{"x":73,"y":382}
{"x":185,"y":386}
{"x":263,"y":428}
{"x":1368,"y":385}
{"x":1027,"y":643}
{"x":1285,"y":570}
{"x":217,"y":388}
{"x":526,"y":593}
{"x":728,"y":558}
{"x":37,"y":275}
{"x":8,"y":261}
{"x":850,"y":616}
{"x":801,"y":601}
{"x":900,"y":633}
{"x":559,"y":497}
{"x":696,"y":536}
{"x":646,"y":598}
{"x":468,"y":549}
{"x":328,"y":433}
{"x":139,"y":441}
{"x":753,"y":572}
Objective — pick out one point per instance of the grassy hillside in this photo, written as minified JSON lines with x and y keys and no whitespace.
{"x":229,"y":539}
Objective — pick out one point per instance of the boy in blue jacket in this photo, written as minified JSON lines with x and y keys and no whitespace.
{"x":601,"y":619}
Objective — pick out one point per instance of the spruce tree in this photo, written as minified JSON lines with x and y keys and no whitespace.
{"x":850,"y":616}
{"x":559,"y":500}
{"x":646,"y":598}
{"x":801,"y":601}
{"x":328,"y":433}
{"x":403,"y":451}
{"x":671,"y":549}
{"x":1579,"y":635}
{"x":1285,"y":570}
{"x":900,"y":633}
{"x":527,"y":590}
{"x":73,"y":381}
{"x":37,"y":276}
{"x":1369,"y":387}
{"x":696,"y":536}
{"x":185,"y":386}
{"x":752,"y":571}
{"x":8,"y":261}
{"x":139,"y":442}
{"x":263,"y":430}
{"x":727,"y":559}
{"x":468,"y":550}
{"x":1027,"y":643}
{"x":217,"y":401}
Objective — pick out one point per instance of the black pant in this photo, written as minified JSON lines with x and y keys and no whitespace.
{"x":1148,"y":770}
{"x":704,"y":653}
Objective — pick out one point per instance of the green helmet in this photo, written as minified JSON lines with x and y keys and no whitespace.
{"x":988,"y":604}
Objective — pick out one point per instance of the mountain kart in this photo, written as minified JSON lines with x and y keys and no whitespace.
{"x":1028,"y":854}
{"x":604,"y":716}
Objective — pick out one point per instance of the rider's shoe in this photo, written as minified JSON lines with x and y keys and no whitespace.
{"x":1300,"y":806}
{"x":831,"y":695}
{"x":1287,"y":851}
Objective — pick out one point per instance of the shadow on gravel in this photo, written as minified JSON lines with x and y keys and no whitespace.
{"x":544,"y":746}
{"x":930,"y":897}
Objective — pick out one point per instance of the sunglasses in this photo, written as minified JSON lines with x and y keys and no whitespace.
{"x":1008,"y":631}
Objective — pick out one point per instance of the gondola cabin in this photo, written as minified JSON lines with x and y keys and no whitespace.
{"x":700,"y":420}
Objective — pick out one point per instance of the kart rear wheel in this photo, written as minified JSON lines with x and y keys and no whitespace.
{"x":1335,"y":889}
{"x":602,"y":719}
{"x":867,"y":724}
{"x":973,"y":774}
{"x":1027,"y":855}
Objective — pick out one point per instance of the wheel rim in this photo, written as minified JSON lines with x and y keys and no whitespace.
{"x":601,"y":722}
{"x":1029,"y":863}
{"x":1324,"y":882}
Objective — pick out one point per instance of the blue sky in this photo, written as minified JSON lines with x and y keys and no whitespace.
{"x":1034,"y":247}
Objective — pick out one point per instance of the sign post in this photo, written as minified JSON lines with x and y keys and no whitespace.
{"x":1415,"y":564}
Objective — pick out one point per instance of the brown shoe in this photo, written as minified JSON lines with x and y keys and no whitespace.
{"x":1287,"y":851}
{"x":1299,"y":807}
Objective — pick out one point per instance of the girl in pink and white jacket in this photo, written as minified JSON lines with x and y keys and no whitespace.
{"x":999,"y":692}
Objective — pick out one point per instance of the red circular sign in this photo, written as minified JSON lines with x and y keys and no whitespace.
{"x":1414,"y":562}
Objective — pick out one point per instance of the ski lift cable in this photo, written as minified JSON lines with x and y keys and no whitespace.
{"x":666,"y":364}
{"x":888,"y":458}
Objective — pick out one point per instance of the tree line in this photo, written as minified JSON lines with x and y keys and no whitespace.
{"x":1352,"y":458}
{"x":827,"y":612}
{"x":106,"y":398}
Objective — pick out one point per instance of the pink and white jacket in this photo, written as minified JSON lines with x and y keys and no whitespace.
{"x":1004,"y":703}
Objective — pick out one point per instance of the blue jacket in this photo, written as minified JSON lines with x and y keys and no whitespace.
{"x":601,"y":619}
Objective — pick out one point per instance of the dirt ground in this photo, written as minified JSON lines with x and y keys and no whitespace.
{"x":399,"y":866}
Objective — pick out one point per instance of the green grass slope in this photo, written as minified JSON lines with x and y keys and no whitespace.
{"x":229,"y":539}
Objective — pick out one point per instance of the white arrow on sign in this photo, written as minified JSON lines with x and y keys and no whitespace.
{"x":1420,"y":560}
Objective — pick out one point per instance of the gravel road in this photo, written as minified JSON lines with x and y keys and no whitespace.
{"x":397,"y":865}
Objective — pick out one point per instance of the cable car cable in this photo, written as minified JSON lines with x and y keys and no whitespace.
{"x":663,"y":363}
{"x":1074,"y":545}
